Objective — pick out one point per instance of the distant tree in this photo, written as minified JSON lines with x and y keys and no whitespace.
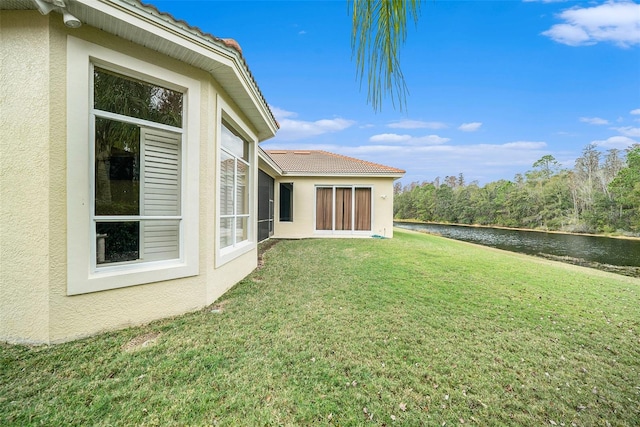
{"x":585,"y":176}
{"x":397,"y":188}
{"x":613,"y":164}
{"x":461,"y":181}
{"x":626,"y":190}
{"x":451,"y":181}
{"x":547,"y":166}
{"x":546,"y":197}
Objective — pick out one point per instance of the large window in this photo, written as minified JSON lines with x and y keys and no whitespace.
{"x":343,"y":208}
{"x":133,"y":138}
{"x":137,"y":168}
{"x":234,"y":188}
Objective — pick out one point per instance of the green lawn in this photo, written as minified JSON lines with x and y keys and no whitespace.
{"x":417,"y":330}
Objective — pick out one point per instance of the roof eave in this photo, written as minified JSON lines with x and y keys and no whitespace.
{"x":141,"y":25}
{"x":264,"y":157}
{"x":344,"y":175}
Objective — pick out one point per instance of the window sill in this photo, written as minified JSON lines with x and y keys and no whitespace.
{"x":230,"y":253}
{"x":121,"y":276}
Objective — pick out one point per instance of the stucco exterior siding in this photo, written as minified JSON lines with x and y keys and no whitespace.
{"x":35,"y":305}
{"x":24,"y":177}
{"x":304,"y":202}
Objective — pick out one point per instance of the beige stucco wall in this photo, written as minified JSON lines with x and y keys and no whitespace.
{"x":24,"y":176}
{"x":34,"y":305}
{"x":303,"y":224}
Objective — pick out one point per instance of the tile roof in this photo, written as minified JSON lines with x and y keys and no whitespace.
{"x":318,"y":162}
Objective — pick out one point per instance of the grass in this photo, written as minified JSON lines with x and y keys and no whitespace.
{"x":417,"y":330}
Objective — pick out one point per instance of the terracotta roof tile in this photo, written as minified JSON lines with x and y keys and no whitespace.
{"x":315,"y":162}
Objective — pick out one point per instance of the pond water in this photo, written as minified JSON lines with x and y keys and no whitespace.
{"x":579,"y":248}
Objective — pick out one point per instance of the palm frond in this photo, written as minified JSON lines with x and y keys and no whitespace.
{"x":379,"y":30}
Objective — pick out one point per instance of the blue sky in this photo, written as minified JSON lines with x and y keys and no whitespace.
{"x":493,"y":85}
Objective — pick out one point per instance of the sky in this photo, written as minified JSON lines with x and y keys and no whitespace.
{"x":493,"y":85}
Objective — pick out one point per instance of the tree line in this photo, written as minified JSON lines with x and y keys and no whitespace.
{"x":600,"y":194}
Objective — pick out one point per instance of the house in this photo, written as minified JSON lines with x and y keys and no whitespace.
{"x":129,"y":171}
{"x":312,"y":193}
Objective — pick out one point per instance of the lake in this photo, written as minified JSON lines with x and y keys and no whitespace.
{"x":594,"y":251}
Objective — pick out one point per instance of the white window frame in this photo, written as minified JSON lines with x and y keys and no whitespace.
{"x":352,"y":231}
{"x":83,"y":275}
{"x":233,"y":120}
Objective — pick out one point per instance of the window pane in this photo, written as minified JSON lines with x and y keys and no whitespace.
{"x":363,"y":209}
{"x":117,"y":168}
{"x":149,"y":240}
{"x":343,"y":208}
{"x":117,"y":241}
{"x":242,"y":232}
{"x":226,"y":232}
{"x":324,"y":209}
{"x":234,"y":188}
{"x":227,"y":168}
{"x":234,"y":144}
{"x":119,"y":94}
{"x":160,"y":239}
{"x":286,"y":201}
{"x":242,"y":196}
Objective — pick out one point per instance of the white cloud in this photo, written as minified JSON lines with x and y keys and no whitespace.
{"x":620,"y":142}
{"x":302,"y":33}
{"x":393,"y":138}
{"x":629,"y":131}
{"x":430,"y":140}
{"x":635,"y":112}
{"x":567,"y":34}
{"x":390,"y":137}
{"x":416,"y":124}
{"x":594,"y":120}
{"x":470,"y":127}
{"x":291,"y":129}
{"x":281,"y":114}
{"x":525,"y":145}
{"x":483,"y":162}
{"x":615,"y":22}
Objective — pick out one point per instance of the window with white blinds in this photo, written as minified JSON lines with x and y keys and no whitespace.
{"x":137,"y":169}
{"x":234,"y":188}
{"x":133,"y":175}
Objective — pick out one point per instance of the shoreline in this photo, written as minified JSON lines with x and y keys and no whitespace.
{"x":611,"y":236}
{"x":620,"y":270}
